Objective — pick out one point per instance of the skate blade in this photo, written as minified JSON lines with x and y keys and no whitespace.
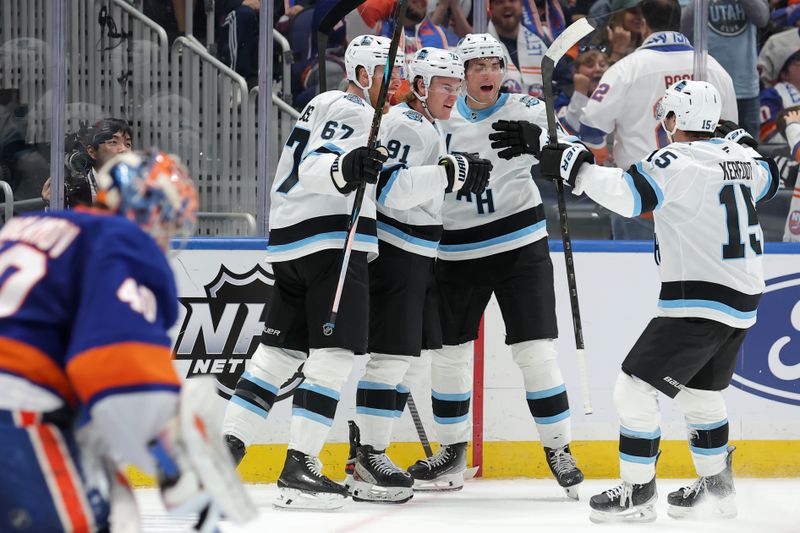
{"x":449,"y":482}
{"x":723,"y":508}
{"x":294,"y":499}
{"x":572,"y":492}
{"x":367,"y":492}
{"x":639,"y":514}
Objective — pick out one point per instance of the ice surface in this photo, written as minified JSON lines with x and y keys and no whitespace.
{"x":494,"y":506}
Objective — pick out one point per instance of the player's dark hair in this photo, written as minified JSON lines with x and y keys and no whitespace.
{"x":662,"y":15}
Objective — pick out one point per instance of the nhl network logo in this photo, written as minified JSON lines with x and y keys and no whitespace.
{"x":221,"y":330}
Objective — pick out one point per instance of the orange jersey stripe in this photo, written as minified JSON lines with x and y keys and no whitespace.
{"x":64,"y":475}
{"x":25,"y":360}
{"x":120,"y":365}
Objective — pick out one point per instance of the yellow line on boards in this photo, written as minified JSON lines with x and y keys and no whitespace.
{"x":597,"y":459}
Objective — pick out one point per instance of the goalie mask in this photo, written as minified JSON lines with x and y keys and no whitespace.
{"x":154,"y":191}
{"x":697,"y":106}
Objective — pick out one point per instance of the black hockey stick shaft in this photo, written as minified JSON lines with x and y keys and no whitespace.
{"x":399,"y":15}
{"x":568,"y":38}
{"x":331,"y":19}
{"x":423,"y":437}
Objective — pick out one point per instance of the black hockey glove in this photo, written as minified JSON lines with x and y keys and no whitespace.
{"x":467,"y":168}
{"x":563,"y":161}
{"x":515,"y":137}
{"x":361,"y":165}
{"x":727,"y":129}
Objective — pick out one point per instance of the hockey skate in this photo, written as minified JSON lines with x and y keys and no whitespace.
{"x":236,"y":447}
{"x":713,"y":496}
{"x":355,"y":442}
{"x":443,"y":471}
{"x":627,"y":502}
{"x":562,"y":465}
{"x":377,"y":479}
{"x":303,"y":486}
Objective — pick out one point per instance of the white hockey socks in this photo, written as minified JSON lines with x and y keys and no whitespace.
{"x":378,"y":398}
{"x":544,"y":390}
{"x":707,"y":421}
{"x":639,"y":431}
{"x":451,"y":392}
{"x":315,"y":401}
{"x":255,"y":392}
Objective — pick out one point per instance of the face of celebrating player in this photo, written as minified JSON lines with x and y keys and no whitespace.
{"x":442,"y":96}
{"x":377,"y":79}
{"x":484,"y":77}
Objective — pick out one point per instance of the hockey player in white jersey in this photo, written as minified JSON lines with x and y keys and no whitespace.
{"x":495,"y":242}
{"x":703,"y":193}
{"x":323,"y":161}
{"x":404,"y":314}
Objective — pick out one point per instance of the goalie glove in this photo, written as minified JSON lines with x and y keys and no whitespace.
{"x":469,"y":169}
{"x":195,"y":474}
{"x":731,"y":131}
{"x":564,"y":160}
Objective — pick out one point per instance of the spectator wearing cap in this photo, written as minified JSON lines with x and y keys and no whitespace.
{"x":732,"y":39}
{"x":779,"y":63}
{"x":625,"y":30}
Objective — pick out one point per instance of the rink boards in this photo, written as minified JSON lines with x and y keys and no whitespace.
{"x":223,"y":283}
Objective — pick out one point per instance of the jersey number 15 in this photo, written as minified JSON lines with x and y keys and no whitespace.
{"x":734,"y":249}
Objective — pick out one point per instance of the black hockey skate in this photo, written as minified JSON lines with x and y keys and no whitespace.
{"x":562,"y":465}
{"x":355,"y":442}
{"x":710,"y":495}
{"x":236,"y":447}
{"x":377,"y":479}
{"x":626,"y":502}
{"x":303,"y":486}
{"x":443,"y":471}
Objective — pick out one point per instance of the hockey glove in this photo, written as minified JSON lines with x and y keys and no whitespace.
{"x":515,"y":137}
{"x":467,"y":168}
{"x":195,"y":474}
{"x":361,"y":165}
{"x":781,"y":120}
{"x":563,"y":161}
{"x":731,"y":131}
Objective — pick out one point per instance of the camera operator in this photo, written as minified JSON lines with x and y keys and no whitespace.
{"x":86,"y":152}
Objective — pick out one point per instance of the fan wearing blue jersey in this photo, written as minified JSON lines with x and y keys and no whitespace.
{"x":86,"y":299}
{"x":404,"y":313}
{"x":703,"y":193}
{"x":495,"y":243}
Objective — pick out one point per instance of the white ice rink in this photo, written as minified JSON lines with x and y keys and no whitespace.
{"x":492,"y":506}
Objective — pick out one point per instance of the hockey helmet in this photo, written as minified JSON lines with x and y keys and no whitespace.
{"x":478,"y":45}
{"x":697,"y":106}
{"x":430,"y":62}
{"x":368,"y":51}
{"x":153,"y":190}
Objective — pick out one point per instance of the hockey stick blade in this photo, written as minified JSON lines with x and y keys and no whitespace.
{"x":331,"y":19}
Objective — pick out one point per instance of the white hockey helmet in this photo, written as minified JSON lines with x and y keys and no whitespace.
{"x":478,"y":45}
{"x":368,"y":51}
{"x":430,"y":62}
{"x":697,"y":106}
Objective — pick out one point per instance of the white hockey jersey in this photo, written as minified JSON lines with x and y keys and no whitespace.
{"x":625,"y":101}
{"x":307,"y":212}
{"x":709,"y":242}
{"x":410,"y":190}
{"x":509,"y":214}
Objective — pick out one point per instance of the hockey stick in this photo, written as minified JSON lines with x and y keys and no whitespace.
{"x":331,"y":19}
{"x":423,"y":437}
{"x":568,"y":38}
{"x":400,"y":13}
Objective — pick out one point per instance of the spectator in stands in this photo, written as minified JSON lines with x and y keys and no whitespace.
{"x":453,"y":14}
{"x":779,"y":63}
{"x":523,"y":47}
{"x":590,"y":65}
{"x":545,"y":18}
{"x":419,"y":30}
{"x":625,"y":31}
{"x":733,"y":26}
{"x":107,"y":138}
